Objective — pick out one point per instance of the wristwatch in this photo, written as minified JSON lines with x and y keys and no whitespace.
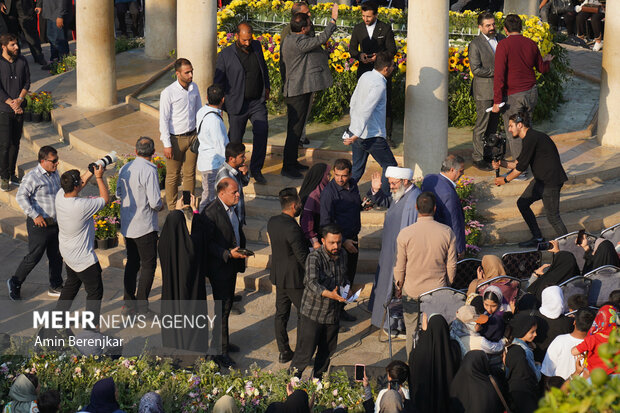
{"x":506,"y":180}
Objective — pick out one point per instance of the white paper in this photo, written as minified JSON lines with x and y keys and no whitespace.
{"x":346,"y":135}
{"x":354,"y":296}
{"x":344,"y":291}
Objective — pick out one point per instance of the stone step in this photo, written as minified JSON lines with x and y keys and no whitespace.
{"x":572,"y":198}
{"x":510,"y":231}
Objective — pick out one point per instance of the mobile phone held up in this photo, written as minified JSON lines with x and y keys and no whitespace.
{"x":580,"y":235}
{"x":187,"y":197}
{"x":359,"y":372}
{"x":544,"y":246}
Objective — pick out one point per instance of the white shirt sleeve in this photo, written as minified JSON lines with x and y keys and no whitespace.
{"x":363,"y":105}
{"x":491,"y":346}
{"x":164,"y":118}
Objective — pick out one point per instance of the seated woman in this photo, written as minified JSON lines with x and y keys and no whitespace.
{"x":472,"y":390}
{"x":433,"y":364}
{"x":596,"y":20}
{"x":602,"y":254}
{"x":563,"y":267}
{"x":605,"y":322}
{"x":490,"y":267}
{"x":494,"y":307}
{"x":103,"y":398}
{"x":551,"y":321}
{"x":465,"y":330}
{"x":310,"y":195}
{"x":522,"y":373}
{"x":23,"y":394}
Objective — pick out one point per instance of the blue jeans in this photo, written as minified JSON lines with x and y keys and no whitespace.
{"x":379,"y":149}
{"x":59,"y":46}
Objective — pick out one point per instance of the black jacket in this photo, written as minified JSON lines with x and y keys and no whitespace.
{"x":289,"y":250}
{"x":220,"y":239}
{"x":382,"y":40}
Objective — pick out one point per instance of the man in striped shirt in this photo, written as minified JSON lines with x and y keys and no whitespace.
{"x":36,"y":196}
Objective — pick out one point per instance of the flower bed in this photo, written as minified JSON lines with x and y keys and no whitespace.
{"x":332,"y":104}
{"x":181,"y":390}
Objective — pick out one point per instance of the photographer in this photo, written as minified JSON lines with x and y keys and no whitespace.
{"x":76,"y":236}
{"x":394,"y":397}
{"x":539,"y":152}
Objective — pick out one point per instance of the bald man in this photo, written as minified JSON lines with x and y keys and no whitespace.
{"x":224,"y":235}
{"x":240,"y":69}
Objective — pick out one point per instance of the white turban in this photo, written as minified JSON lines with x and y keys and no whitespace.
{"x":399,"y":173}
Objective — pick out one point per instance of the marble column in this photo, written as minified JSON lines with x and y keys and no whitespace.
{"x":197,"y":39}
{"x":609,"y":103}
{"x":96,"y":60}
{"x":160,"y":30}
{"x":425,"y":138}
{"x":521,"y":7}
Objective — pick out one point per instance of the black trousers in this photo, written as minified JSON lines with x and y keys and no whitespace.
{"x":314,"y":336}
{"x":224,"y":290}
{"x":41,"y":240}
{"x":296,"y":112}
{"x":352,"y":263}
{"x":11,"y":126}
{"x":550,"y":196}
{"x":25,"y":21}
{"x":569,"y":19}
{"x":256,"y":112}
{"x":284,"y":298}
{"x":91,"y":277}
{"x":596,"y":21}
{"x":141,"y":255}
{"x":121,"y":11}
{"x":486,"y":123}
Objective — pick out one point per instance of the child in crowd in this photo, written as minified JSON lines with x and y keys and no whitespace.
{"x":604,"y":323}
{"x":23,"y":395}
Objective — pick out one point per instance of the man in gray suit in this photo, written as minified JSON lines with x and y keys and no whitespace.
{"x":307,"y":71}
{"x":482,"y":64}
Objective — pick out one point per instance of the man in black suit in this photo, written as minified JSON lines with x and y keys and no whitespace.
{"x":369,"y":38}
{"x":289,"y":250}
{"x":482,"y":64}
{"x":20,"y":16}
{"x":240,"y":69}
{"x":225,"y":237}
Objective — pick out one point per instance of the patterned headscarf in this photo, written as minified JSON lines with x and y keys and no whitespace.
{"x":605,"y":321}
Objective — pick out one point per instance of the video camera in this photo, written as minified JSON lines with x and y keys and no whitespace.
{"x":103,"y":162}
{"x":495,"y":145}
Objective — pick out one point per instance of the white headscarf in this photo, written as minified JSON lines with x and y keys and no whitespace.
{"x":552,"y":302}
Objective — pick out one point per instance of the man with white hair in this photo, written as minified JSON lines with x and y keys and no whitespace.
{"x":401,"y":213}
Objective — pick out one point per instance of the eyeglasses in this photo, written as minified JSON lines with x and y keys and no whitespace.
{"x":55,"y":160}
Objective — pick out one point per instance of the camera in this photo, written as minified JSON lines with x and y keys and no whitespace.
{"x":495,"y":144}
{"x":103,"y":162}
{"x":544,"y":246}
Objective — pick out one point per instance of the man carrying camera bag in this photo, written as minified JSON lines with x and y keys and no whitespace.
{"x":76,"y":236}
{"x":539,"y":152}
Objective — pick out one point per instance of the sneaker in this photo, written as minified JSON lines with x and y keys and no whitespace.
{"x":597,"y":46}
{"x":15,"y":180}
{"x":289,"y":173}
{"x":5,"y":185}
{"x":54,"y":291}
{"x":14,"y":289}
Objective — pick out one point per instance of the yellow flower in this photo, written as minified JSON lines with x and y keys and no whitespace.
{"x":339,"y":68}
{"x":402,"y":67}
{"x":276,"y":57}
{"x":466,"y":62}
{"x":345,"y":56}
{"x":453,"y":61}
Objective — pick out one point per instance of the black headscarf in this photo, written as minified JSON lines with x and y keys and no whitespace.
{"x":312,"y":180}
{"x":103,"y":397}
{"x":522,"y":382}
{"x":605,"y":254}
{"x":183,"y":289}
{"x":563,"y":267}
{"x":471,"y":390}
{"x":297,"y":402}
{"x":433,"y":364}
{"x":521,"y":323}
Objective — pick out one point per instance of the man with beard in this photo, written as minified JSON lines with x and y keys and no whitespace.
{"x":321,"y":303}
{"x":14,"y":85}
{"x":289,"y":250}
{"x":482,"y":64}
{"x":240,"y":69}
{"x":401,"y":213}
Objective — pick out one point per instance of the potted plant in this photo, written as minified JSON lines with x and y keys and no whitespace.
{"x":160,"y":162}
{"x":106,"y":226}
{"x":37,"y":108}
{"x":28,"y":108}
{"x":47,"y":104}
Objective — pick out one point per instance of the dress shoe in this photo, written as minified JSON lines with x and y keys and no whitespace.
{"x":532,"y":243}
{"x":305,"y":141}
{"x":291,"y":173}
{"x":233,"y":348}
{"x":286,"y":356}
{"x":259,"y":178}
{"x":344,"y":316}
{"x":483,"y":165}
{"x":301,"y":167}
{"x":300,"y":145}
{"x":237,"y":298}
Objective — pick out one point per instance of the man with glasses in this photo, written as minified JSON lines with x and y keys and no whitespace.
{"x":36,"y":196}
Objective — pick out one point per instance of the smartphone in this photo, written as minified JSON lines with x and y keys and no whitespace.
{"x":187,"y":197}
{"x":544,"y":246}
{"x":359,"y":372}
{"x":580,"y":235}
{"x":245,"y":252}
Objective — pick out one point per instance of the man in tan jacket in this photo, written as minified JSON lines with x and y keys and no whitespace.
{"x":425,"y":260}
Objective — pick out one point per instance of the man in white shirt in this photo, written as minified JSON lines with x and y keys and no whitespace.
{"x":138,"y":191}
{"x":178,"y":105}
{"x":558,"y":360}
{"x":213,"y":140}
{"x":76,"y":237}
{"x":367,"y":130}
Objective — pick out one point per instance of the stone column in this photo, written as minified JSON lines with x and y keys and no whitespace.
{"x":426,"y":90}
{"x":609,"y":104}
{"x":96,"y":60}
{"x":197,"y":39}
{"x":521,"y":7}
{"x":160,"y":32}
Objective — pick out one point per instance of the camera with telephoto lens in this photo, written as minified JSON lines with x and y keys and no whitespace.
{"x":495,"y":144}
{"x":103,"y":162}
